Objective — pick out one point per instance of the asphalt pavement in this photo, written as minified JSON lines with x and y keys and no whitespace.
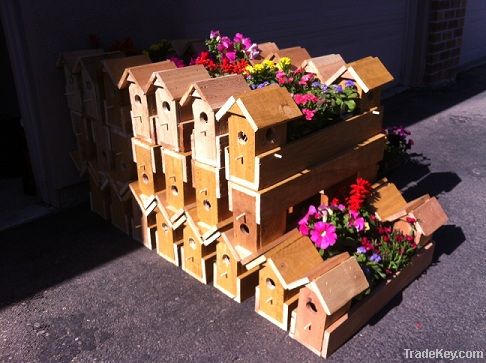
{"x":74,"y":289}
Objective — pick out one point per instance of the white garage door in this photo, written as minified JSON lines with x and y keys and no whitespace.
{"x":474,"y":38}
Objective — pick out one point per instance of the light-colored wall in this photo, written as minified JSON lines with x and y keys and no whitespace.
{"x":41,"y":29}
{"x":474,"y":38}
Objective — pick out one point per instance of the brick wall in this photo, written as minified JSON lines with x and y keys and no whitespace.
{"x":445,"y":30}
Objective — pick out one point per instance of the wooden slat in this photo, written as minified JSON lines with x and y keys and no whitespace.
{"x":430,"y":216}
{"x":387,"y":200}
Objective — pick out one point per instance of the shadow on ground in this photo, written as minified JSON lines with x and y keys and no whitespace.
{"x":50,"y":250}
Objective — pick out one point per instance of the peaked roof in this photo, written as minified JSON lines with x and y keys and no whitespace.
{"x":183,"y":46}
{"x":216,"y":91}
{"x":293,"y":263}
{"x":369,"y":73}
{"x":339,"y":285}
{"x":176,"y":81}
{"x":430,"y":216}
{"x":386,"y":199}
{"x":116,"y":66}
{"x":266,"y":107}
{"x":297,"y":55}
{"x":70,"y":59}
{"x":141,"y":74}
{"x":267,"y":50}
{"x":92,"y":63}
{"x":325,"y":67}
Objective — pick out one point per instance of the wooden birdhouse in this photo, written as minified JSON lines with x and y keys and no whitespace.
{"x":287,"y":267}
{"x":148,"y":158}
{"x":103,"y":147}
{"x":85,"y":143}
{"x":178,"y":177}
{"x":123,"y":170}
{"x":206,"y":98}
{"x":230,"y":276}
{"x":143,"y":108}
{"x":91,"y":70}
{"x":188,"y":48}
{"x":198,"y":251}
{"x":257,"y":123}
{"x":117,"y":101}
{"x":369,"y":75}
{"x":174,"y":123}
{"x":144,"y":224}
{"x":74,"y":85}
{"x":99,"y":195}
{"x":121,"y":210}
{"x":297,"y":55}
{"x":386,"y":200}
{"x":267,"y":51}
{"x":169,"y":230}
{"x":326,"y":67}
{"x":260,"y":216}
{"x":326,"y":299}
{"x":211,"y":188}
{"x":422,"y":218}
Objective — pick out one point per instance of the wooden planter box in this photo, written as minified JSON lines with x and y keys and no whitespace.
{"x":337,"y":333}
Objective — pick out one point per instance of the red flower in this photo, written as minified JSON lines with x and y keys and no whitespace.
{"x":358,"y":194}
{"x":411,"y":220}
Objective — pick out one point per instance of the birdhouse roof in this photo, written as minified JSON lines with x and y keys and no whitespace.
{"x":430,"y":216}
{"x":173,"y":217}
{"x":325,"y":67}
{"x":92,"y":63}
{"x":146,"y":203}
{"x":369,"y":73}
{"x":267,"y":50}
{"x":336,"y":287}
{"x":183,"y":46}
{"x":177,"y":81}
{"x":216,"y":91}
{"x":297,"y":55}
{"x":293,"y":263}
{"x":264,"y":107}
{"x":69,"y":59}
{"x":386,"y":199}
{"x":116,"y":66}
{"x":141,"y":74}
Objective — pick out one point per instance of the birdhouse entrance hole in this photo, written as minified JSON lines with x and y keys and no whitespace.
{"x":244,"y":228}
{"x":226,"y":260}
{"x":203,"y":117}
{"x":206,"y":204}
{"x":311,"y":306}
{"x":270,"y":283}
{"x":138,"y":100}
{"x":192,"y":243}
{"x":242,"y":138}
{"x":271,"y":135}
{"x":165,"y":227}
{"x":166,"y":106}
{"x":145,"y":178}
{"x":174,"y":190}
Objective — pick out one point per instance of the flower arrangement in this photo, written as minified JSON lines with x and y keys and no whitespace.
{"x":227,"y":55}
{"x":398,"y":144}
{"x":352,"y":226}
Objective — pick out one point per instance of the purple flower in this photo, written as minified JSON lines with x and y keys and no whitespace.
{"x":349,"y":83}
{"x":356,"y":221}
{"x":214,"y":34}
{"x":238,"y":38}
{"x":316,"y":84}
{"x":361,"y":249}
{"x":231,"y":56}
{"x":253,"y":51}
{"x":264,"y":84}
{"x":324,"y":87}
{"x":337,"y":87}
{"x":375,"y":257}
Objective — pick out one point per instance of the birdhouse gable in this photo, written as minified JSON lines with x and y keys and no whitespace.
{"x":293,"y":263}
{"x":297,"y":55}
{"x":326,"y":68}
{"x":141,"y":74}
{"x":115,"y":67}
{"x":369,"y":73}
{"x":267,"y":50}
{"x":336,"y":287}
{"x":266,"y":107}
{"x":175,"y":82}
{"x":70,"y":59}
{"x":216,"y":91}
{"x":92,"y":65}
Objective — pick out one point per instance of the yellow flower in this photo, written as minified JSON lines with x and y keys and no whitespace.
{"x":258,"y":67}
{"x":249,"y":69}
{"x":268,"y":64}
{"x":367,"y":226}
{"x":283,"y":63}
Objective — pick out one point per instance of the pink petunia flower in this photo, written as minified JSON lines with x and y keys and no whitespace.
{"x":214,"y":34}
{"x":323,"y":235}
{"x":231,"y":56}
{"x":306,"y":79}
{"x":356,"y":221}
{"x":309,"y":114}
